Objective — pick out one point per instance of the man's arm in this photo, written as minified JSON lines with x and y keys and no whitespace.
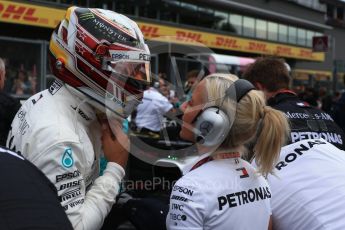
{"x":86,"y":201}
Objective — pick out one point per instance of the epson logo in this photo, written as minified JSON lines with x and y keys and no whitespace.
{"x":183,"y":190}
{"x":120,"y":56}
{"x":67,"y":176}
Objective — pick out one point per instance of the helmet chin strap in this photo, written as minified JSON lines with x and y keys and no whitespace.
{"x":76,"y":92}
{"x":94,"y":103}
{"x":83,"y":98}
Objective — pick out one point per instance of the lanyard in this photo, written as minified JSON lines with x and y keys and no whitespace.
{"x":285,"y":91}
{"x":220,"y":156}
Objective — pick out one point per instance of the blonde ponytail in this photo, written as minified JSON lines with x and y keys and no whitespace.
{"x":271,"y":136}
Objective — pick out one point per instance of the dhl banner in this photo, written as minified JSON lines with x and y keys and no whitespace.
{"x":304,"y":74}
{"x":193,"y":37}
{"x":313,"y":72}
{"x":28,"y":14}
{"x":319,"y":75}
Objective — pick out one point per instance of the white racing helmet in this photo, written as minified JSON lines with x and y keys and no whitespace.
{"x":103,"y":55}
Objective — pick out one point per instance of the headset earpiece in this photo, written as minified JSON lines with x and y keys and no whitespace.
{"x":156,"y":84}
{"x":212,"y":124}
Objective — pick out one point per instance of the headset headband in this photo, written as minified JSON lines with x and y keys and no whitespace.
{"x":242,"y":87}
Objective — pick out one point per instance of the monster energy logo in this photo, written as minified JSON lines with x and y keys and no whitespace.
{"x":87,"y":16}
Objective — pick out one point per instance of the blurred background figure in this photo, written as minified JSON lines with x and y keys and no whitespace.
{"x":311,"y":96}
{"x":32,"y":79}
{"x":149,"y":116}
{"x":325,"y":100}
{"x":167,"y":90}
{"x":21,"y":84}
{"x":8,"y":106}
{"x":193,"y":77}
{"x":2,"y":74}
{"x":339,"y":112}
{"x":270,"y":75}
{"x":163,"y":85}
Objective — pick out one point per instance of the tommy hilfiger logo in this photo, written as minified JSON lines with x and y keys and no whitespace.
{"x":244,"y":172}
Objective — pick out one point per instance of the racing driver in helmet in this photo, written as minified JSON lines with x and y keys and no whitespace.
{"x":101,"y":65}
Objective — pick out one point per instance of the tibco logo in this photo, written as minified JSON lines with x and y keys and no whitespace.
{"x":179,"y":217}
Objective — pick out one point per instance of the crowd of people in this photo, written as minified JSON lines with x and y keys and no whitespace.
{"x":9,"y":106}
{"x":20,"y":82}
{"x":264,"y":157}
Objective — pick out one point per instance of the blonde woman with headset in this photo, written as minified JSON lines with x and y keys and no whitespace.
{"x":220,"y":190}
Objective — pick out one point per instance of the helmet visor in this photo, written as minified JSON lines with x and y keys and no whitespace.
{"x":126,"y":85}
{"x":120,"y":100}
{"x":139,"y":70}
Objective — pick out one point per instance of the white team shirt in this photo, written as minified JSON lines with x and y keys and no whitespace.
{"x":150,"y":112}
{"x":65,"y":145}
{"x":221,"y":194}
{"x":308,"y":190}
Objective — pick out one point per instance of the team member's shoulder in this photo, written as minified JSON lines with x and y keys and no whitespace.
{"x":295,"y":151}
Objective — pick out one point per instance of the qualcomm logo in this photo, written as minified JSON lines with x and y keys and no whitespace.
{"x":67,"y":159}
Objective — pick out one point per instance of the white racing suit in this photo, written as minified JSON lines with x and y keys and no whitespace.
{"x":60,"y":134}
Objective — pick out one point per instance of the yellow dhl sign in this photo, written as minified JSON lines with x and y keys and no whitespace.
{"x":313,"y":72}
{"x":319,"y":75}
{"x":305,"y":74}
{"x":193,"y":37}
{"x":28,"y":14}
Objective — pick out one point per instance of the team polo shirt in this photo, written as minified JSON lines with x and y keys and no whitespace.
{"x":306,"y":121}
{"x":220,"y":194}
{"x":150,"y":112}
{"x":308,"y":189}
{"x":28,"y":200}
